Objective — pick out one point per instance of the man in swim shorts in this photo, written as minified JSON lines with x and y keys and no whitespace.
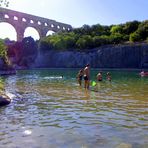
{"x":86,"y":76}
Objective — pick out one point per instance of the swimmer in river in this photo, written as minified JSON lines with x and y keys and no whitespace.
{"x":80,"y":76}
{"x":99,"y":76}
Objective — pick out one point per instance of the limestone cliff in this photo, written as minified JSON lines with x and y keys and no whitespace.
{"x":118,"y":56}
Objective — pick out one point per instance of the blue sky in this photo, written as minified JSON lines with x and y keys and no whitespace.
{"x":80,"y":12}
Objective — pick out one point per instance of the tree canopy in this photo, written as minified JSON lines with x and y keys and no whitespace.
{"x":4,"y":3}
{"x":3,"y":52}
{"x":87,"y":37}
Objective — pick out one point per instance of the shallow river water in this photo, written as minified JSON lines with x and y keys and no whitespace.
{"x":50,"y":111}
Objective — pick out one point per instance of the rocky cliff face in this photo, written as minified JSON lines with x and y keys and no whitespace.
{"x":119,"y":56}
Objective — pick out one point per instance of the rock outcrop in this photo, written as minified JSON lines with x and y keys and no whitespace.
{"x":4,"y":100}
{"x":119,"y":56}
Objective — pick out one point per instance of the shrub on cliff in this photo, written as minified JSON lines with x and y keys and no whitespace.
{"x":25,"y":51}
{"x":85,"y":42}
{"x":134,"y":37}
{"x":143,"y":30}
{"x":101,"y":40}
{"x":141,"y":33}
{"x":3,"y":48}
{"x":116,"y":38}
{"x":116,"y":29}
{"x":61,"y":41}
{"x":3,"y":53}
{"x":130,"y":27}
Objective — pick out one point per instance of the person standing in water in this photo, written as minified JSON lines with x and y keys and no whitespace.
{"x":80,"y":76}
{"x":108,"y":76}
{"x":86,"y":76}
{"x":99,"y":76}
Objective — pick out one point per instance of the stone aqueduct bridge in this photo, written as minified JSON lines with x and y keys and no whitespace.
{"x":20,"y":21}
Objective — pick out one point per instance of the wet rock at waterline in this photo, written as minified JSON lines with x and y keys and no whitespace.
{"x":4,"y":100}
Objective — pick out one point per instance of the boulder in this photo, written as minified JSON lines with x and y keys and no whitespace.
{"x":4,"y":100}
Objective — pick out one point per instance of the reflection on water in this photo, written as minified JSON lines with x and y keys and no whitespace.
{"x":53,"y":111}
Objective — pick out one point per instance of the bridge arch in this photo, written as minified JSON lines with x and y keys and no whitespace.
{"x":50,"y":32}
{"x":31,"y":31}
{"x":7,"y":30}
{"x":20,"y":21}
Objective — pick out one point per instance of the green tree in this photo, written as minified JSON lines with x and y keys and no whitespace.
{"x":85,"y":42}
{"x":3,"y":52}
{"x":58,"y":42}
{"x":135,"y":37}
{"x":101,"y":40}
{"x":86,"y":29}
{"x":143,"y":30}
{"x":116,"y":38}
{"x":25,"y":51}
{"x":45,"y":46}
{"x":4,"y":3}
{"x":116,"y":29}
{"x":130,"y":27}
{"x":3,"y":48}
{"x":98,"y":30}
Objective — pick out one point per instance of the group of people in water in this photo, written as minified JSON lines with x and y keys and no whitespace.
{"x":85,"y":74}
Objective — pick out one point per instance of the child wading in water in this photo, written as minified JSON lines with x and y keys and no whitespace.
{"x":80,"y":76}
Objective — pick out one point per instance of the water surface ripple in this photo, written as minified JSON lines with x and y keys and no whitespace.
{"x":50,"y":111}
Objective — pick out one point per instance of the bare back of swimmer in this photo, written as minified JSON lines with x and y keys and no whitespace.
{"x":86,"y":76}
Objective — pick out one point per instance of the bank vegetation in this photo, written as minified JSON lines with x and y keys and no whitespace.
{"x":89,"y":37}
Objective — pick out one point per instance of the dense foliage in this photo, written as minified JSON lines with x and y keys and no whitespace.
{"x":88,"y":37}
{"x":3,"y":52}
{"x":25,"y":51}
{"x":4,"y":3}
{"x":22,"y":53}
{"x":3,"y":48}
